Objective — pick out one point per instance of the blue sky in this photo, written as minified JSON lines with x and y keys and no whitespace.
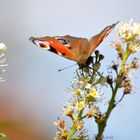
{"x":33,"y":83}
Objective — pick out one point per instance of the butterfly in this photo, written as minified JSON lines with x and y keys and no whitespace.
{"x":74,"y":48}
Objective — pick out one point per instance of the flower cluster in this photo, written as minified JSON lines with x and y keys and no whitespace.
{"x":62,"y":131}
{"x":128,"y":31}
{"x":81,"y":106}
{"x":2,"y":60}
{"x":130,"y":34}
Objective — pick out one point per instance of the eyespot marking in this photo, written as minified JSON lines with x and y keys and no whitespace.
{"x":63,"y":41}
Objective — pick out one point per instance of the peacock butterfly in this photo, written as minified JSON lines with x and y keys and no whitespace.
{"x":73,"y":48}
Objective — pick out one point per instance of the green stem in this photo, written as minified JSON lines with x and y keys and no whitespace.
{"x":72,"y":132}
{"x":112,"y":102}
{"x":125,"y":57}
{"x":102,"y":123}
{"x":74,"y":127}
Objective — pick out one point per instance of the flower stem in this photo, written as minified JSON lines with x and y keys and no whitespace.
{"x":125,"y":57}
{"x":72,"y":132}
{"x":102,"y":123}
{"x":74,"y":127}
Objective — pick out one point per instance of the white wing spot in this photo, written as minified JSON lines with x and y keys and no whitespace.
{"x":59,"y":53}
{"x":47,"y":47}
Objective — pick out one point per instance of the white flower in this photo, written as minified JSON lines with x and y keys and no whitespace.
{"x":134,"y":46}
{"x":2,"y":60}
{"x":88,"y":86}
{"x":80,"y":105}
{"x":77,"y":91}
{"x":2,"y":47}
{"x":93,"y":93}
{"x":92,"y":112}
{"x":136,"y":29}
{"x":128,"y":31}
{"x":130,"y":34}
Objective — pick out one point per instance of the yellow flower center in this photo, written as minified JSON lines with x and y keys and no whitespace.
{"x":93,"y":93}
{"x":80,"y":105}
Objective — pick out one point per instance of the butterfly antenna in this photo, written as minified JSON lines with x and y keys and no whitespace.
{"x":67,"y":67}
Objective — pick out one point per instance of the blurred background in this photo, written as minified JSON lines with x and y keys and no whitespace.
{"x":33,"y":93}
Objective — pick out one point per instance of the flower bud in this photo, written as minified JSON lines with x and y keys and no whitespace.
{"x":109,"y":80}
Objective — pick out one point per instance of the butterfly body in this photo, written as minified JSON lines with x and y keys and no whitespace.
{"x":74,"y":48}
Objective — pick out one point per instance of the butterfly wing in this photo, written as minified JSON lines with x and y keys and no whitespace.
{"x":70,"y":47}
{"x":97,"y":39}
{"x":55,"y":45}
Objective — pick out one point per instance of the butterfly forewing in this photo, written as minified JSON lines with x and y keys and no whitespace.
{"x":54,"y":45}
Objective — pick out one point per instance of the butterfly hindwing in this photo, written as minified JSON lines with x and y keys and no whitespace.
{"x":97,"y":39}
